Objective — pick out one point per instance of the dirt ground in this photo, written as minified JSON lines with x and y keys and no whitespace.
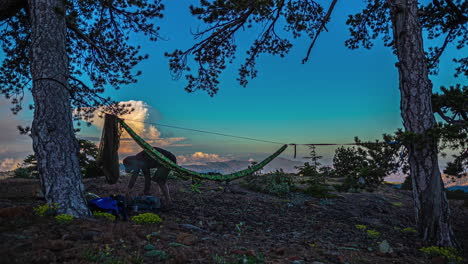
{"x":210,"y":225}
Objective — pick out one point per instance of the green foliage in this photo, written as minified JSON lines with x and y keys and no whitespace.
{"x":275,"y":183}
{"x":90,"y":256}
{"x":88,"y":155}
{"x":452,"y":106}
{"x":409,"y":230}
{"x":104,"y":215}
{"x":312,"y":168}
{"x":157,"y":254}
{"x":240,"y":228}
{"x":196,"y":187}
{"x":217,"y":259}
{"x":373,"y":234}
{"x":105,"y":256}
{"x":87,"y":158}
{"x":25,"y":173}
{"x":365,"y":166}
{"x":449,"y":253}
{"x":98,"y":51}
{"x":146,"y":218}
{"x":149,"y":247}
{"x":46,"y":209}
{"x":64,"y":218}
{"x":28,"y":169}
{"x":369,"y":232}
{"x":248,"y":259}
{"x":361,"y":227}
{"x":318,"y":191}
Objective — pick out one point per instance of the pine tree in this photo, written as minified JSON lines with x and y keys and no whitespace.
{"x":67,"y":52}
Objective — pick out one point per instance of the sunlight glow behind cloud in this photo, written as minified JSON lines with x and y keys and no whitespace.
{"x":138,"y":121}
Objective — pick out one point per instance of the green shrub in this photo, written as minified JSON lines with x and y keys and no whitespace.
{"x":318,"y":191}
{"x":373,"y":234}
{"x":449,"y":253}
{"x":146,"y":218}
{"x":158,"y":254}
{"x":409,"y":230}
{"x":196,"y":187}
{"x":64,"y":218}
{"x":104,"y":215}
{"x":46,"y":209}
{"x":25,"y":173}
{"x":277,"y":183}
{"x":361,"y":227}
{"x":365,"y":166}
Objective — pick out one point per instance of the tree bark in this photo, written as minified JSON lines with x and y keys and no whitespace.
{"x":54,"y":141}
{"x":430,"y":201}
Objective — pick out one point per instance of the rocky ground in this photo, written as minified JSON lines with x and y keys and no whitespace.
{"x":210,"y":225}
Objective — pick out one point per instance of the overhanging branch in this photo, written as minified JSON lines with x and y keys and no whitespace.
{"x":322,"y":27}
{"x":9,"y":8}
{"x":83,"y":36}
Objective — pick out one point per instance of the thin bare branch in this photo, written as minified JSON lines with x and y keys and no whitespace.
{"x":324,"y":22}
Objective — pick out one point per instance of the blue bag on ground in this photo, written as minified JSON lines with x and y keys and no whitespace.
{"x":114,"y":205}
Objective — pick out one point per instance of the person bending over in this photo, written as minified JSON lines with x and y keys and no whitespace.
{"x":143,"y":162}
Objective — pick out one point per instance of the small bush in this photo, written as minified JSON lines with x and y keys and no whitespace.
{"x":103,"y":215}
{"x":361,"y":227}
{"x":365,"y":166}
{"x":64,"y":218}
{"x":24,"y":172}
{"x":196,"y":187}
{"x":277,"y":183}
{"x":449,"y":253}
{"x":318,"y":191}
{"x":373,"y":234}
{"x":409,"y":230}
{"x":146,"y":218}
{"x":158,"y":254}
{"x":46,"y":209}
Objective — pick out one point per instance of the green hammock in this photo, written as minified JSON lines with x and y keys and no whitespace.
{"x":214,"y":177}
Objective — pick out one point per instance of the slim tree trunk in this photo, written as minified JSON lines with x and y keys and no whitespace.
{"x":54,"y":141}
{"x":430,"y":201}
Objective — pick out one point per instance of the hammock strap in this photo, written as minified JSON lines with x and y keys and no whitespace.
{"x":208,"y":176}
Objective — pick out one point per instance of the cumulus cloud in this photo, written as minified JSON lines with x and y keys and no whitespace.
{"x":137,"y":120}
{"x":199,"y":158}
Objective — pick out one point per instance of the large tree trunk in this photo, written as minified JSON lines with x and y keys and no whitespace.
{"x":54,"y":141}
{"x":430,"y":201}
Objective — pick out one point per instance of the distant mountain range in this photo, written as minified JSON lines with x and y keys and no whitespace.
{"x":231,"y":166}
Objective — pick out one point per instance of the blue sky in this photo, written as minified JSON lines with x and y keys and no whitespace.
{"x":338,"y":94}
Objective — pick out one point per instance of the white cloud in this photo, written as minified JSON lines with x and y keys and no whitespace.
{"x":137,"y":120}
{"x":199,"y":158}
